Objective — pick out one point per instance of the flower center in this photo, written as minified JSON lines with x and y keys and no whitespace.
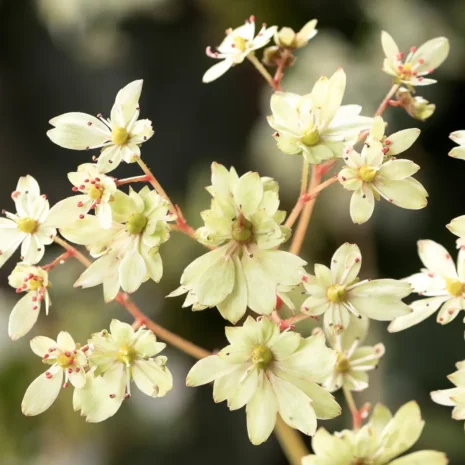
{"x":342,"y":363}
{"x":240,"y":43}
{"x":367,"y":173}
{"x":95,"y":193}
{"x":126,"y":355}
{"x":242,"y":229}
{"x":454,"y":287}
{"x":34,"y":283}
{"x":27,"y":225}
{"x":311,"y":136}
{"x":65,"y":360}
{"x":136,"y":223}
{"x":119,"y":136}
{"x":261,"y":357}
{"x":337,"y":293}
{"x":406,"y":71}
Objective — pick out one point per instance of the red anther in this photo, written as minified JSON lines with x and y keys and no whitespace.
{"x":233,"y":45}
{"x":70,"y":370}
{"x":420,"y":78}
{"x":127,"y":396}
{"x":112,"y":396}
{"x":357,"y":260}
{"x":24,"y":286}
{"x":252,"y":18}
{"x":46,"y":356}
{"x":387,"y":142}
{"x":14,"y":195}
{"x":75,"y":352}
{"x":68,"y":354}
{"x":89,"y":123}
{"x":34,"y":299}
{"x":77,"y":370}
{"x":400,"y":56}
{"x":18,"y":290}
{"x":80,"y":204}
{"x":30,"y":276}
{"x":390,"y":200}
{"x":82,"y":187}
{"x":74,"y":189}
{"x":279,"y":302}
{"x":98,"y":186}
{"x":421,"y":61}
{"x":35,"y":307}
{"x":99,"y":201}
{"x":441,"y":319}
{"x":86,"y":180}
{"x":41,"y":297}
{"x":93,"y":181}
{"x":316,"y":318}
{"x":52,"y":349}
{"x":343,"y":178}
{"x":385,"y":150}
{"x":48,"y":375}
{"x":304,"y":278}
{"x":81,"y":217}
{"x":431,"y":275}
{"x":97,"y":179}
{"x":430,"y":71}
{"x":451,"y":311}
{"x":400,"y":67}
{"x":447,"y":256}
{"x":413,"y":49}
{"x":65,"y":385}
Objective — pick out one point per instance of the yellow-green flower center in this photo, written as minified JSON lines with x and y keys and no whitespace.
{"x":261,"y":357}
{"x":367,"y":173}
{"x":27,"y":225}
{"x":454,"y":287}
{"x":136,"y":223}
{"x":95,"y":193}
{"x":126,"y":354}
{"x":240,"y":43}
{"x":119,"y":136}
{"x":337,"y":293}
{"x":406,"y":71}
{"x":342,"y":363}
{"x":33,"y":284}
{"x":311,"y":136}
{"x":65,"y":360}
{"x":242,"y":229}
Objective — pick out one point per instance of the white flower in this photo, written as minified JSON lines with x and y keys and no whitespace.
{"x":28,"y":227}
{"x":373,"y":174}
{"x":418,"y":63}
{"x":127,"y":253}
{"x":270,"y":372}
{"x":441,"y":281}
{"x":316,"y":124}
{"x":34,"y":281}
{"x":238,"y":43}
{"x":116,"y":358}
{"x":379,"y":442}
{"x":336,"y":292}
{"x":454,"y":397}
{"x":119,"y":136}
{"x":459,"y":138}
{"x":246,"y":269}
{"x":353,"y":361}
{"x":66,"y":360}
{"x":288,"y":38}
{"x":97,"y":192}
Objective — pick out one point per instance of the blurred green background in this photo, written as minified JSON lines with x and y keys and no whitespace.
{"x":74,"y":55}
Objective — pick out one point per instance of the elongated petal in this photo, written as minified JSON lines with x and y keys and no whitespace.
{"x":436,"y":258}
{"x":423,"y":457}
{"x":390,"y":48}
{"x":41,"y":344}
{"x":446,"y":396}
{"x":362,"y":204}
{"x":398,"y":169}
{"x":283,"y":267}
{"x":65,"y":342}
{"x":402,"y":140}
{"x":346,"y":263}
{"x":405,"y":193}
{"x":433,"y":53}
{"x":206,"y":370}
{"x":458,"y":152}
{"x":132,"y":271}
{"x":128,"y":100}
{"x":42,"y":392}
{"x":152,"y":379}
{"x":23,"y":316}
{"x":216,"y":71}
{"x":67,"y":211}
{"x":456,"y":226}
{"x":248,"y":193}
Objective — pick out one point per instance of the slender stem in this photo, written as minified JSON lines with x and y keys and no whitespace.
{"x":122,"y":298}
{"x":291,"y":442}
{"x":58,"y":261}
{"x":305,"y":170}
{"x":280,"y":71}
{"x":144,"y":178}
{"x":385,"y":103}
{"x":356,"y":417}
{"x":262,"y":70}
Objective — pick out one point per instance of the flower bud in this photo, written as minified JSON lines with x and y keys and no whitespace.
{"x":272,"y":56}
{"x":417,"y":107}
{"x":286,"y":38}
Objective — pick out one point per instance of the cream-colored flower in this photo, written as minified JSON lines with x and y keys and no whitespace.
{"x":270,"y":372}
{"x":235,"y":48}
{"x":418,"y":63}
{"x":116,"y":358}
{"x":316,"y":125}
{"x":67,"y":361}
{"x":34,"y":281}
{"x":288,"y":38}
{"x":459,"y":138}
{"x":337,"y":292}
{"x":119,"y":136}
{"x":28,"y":227}
{"x":373,"y":174}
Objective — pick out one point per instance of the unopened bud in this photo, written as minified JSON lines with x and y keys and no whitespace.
{"x":417,"y":107}
{"x":286,"y":38}
{"x":272,"y":56}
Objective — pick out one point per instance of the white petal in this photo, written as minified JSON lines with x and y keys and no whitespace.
{"x":122,"y":332}
{"x":362,"y":204}
{"x":40,"y":345}
{"x":97,"y":271}
{"x":109,"y":159}
{"x":42,"y":392}
{"x":433,"y":52}
{"x":405,"y":193}
{"x":32,"y":250}
{"x":398,"y":169}
{"x":23,"y":317}
{"x":402,"y":141}
{"x":78,"y":378}
{"x":423,"y":457}
{"x":336,"y":88}
{"x":248,"y":193}
{"x":67,"y":211}
{"x":446,"y":396}
{"x":206,"y":370}
{"x":346,"y":263}
{"x":151,"y":379}
{"x":65,"y":342}
{"x":436,"y":258}
{"x":132,"y":271}
{"x":244,"y":392}
{"x":8,"y":249}
{"x":458,"y":137}
{"x":128,"y":100}
{"x":216,"y":71}
{"x":390,"y":48}
{"x":458,"y":152}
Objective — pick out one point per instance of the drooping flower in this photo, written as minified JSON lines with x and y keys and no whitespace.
{"x":119,"y":136}
{"x":379,"y":442}
{"x":373,"y":173}
{"x":416,"y":106}
{"x":441,"y":281}
{"x":34,"y":281}
{"x":418,"y":63}
{"x":337,"y":294}
{"x":116,"y":358}
{"x":353,"y":360}
{"x":270,"y":373}
{"x":127,"y":253}
{"x":235,"y":48}
{"x":28,"y":227}
{"x":316,"y":125}
{"x":245,"y":270}
{"x":459,"y":138}
{"x":288,"y":38}
{"x":67,"y":361}
{"x":96,"y":192}
{"x":454,"y":397}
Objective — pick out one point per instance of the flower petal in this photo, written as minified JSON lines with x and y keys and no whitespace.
{"x":362,"y":204}
{"x":23,"y":316}
{"x":405,"y":193}
{"x":402,"y":140}
{"x":152,"y":379}
{"x":346,"y":263}
{"x":436,"y":258}
{"x":390,"y":47}
{"x":42,"y":392}
{"x":132,"y":271}
{"x":207,"y":370}
{"x":216,"y":71}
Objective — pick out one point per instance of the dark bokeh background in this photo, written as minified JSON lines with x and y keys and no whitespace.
{"x":73,"y":55}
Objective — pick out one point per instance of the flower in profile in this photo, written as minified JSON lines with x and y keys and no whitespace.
{"x":417,"y":107}
{"x":127,"y":253}
{"x":418,"y":63}
{"x":66,"y":360}
{"x":353,"y":360}
{"x":316,"y":125}
{"x":379,"y":442}
{"x":270,"y":373}
{"x":459,"y":138}
{"x":116,"y":358}
{"x":235,"y":48}
{"x":245,"y":270}
{"x":441,"y":281}
{"x":96,"y":193}
{"x":288,"y":38}
{"x":337,"y":292}
{"x":119,"y":136}
{"x":28,"y":227}
{"x":454,"y":397}
{"x":373,"y":173}
{"x":32,"y":280}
